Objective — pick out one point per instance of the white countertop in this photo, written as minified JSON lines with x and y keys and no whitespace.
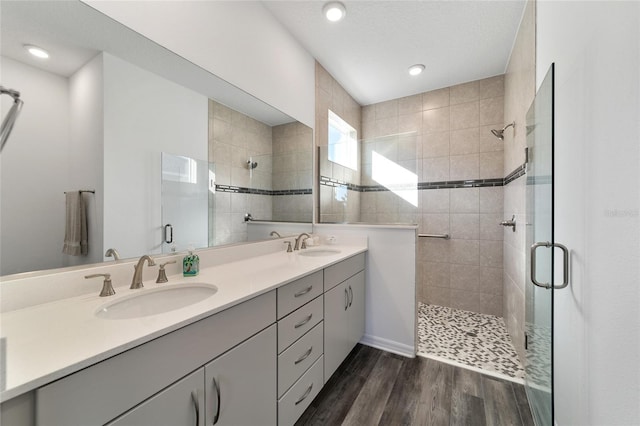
{"x":49,"y":341}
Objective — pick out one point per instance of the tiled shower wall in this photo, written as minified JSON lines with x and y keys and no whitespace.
{"x":520,"y":83}
{"x":444,"y":135}
{"x":292,"y":170}
{"x":233,"y":138}
{"x":336,"y":205}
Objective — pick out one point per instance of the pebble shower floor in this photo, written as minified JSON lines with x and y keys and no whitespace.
{"x":468,"y":338}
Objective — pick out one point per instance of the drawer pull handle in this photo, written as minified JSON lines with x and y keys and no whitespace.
{"x":350,"y":296}
{"x":303,"y":292}
{"x":216,"y":387}
{"x":304,"y":321}
{"x":304,"y":356}
{"x":306,"y":394}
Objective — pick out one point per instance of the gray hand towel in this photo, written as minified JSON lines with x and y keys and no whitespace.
{"x":75,"y":234}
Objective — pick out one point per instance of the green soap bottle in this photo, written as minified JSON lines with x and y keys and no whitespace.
{"x":190,"y":264}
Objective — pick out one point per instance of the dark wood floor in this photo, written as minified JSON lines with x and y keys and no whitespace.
{"x":374,"y":387}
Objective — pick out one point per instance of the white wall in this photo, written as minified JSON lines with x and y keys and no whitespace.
{"x":390,"y":290}
{"x":596,"y":48}
{"x":240,"y":42}
{"x":144,"y":115}
{"x":86,"y":151}
{"x":34,"y":169}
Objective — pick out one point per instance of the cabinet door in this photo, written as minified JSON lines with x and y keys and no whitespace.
{"x":240,"y":386}
{"x":356,"y":308}
{"x":336,"y":334}
{"x":181,"y":404}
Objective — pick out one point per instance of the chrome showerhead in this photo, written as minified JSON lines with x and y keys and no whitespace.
{"x":500,"y":133}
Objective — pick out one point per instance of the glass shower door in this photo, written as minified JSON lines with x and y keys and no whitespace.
{"x":540,"y":241}
{"x":185,"y":203}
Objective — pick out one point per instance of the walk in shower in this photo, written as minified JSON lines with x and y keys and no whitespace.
{"x":432,"y":160}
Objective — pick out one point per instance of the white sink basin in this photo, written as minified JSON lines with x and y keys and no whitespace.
{"x":318,"y":252}
{"x":156,"y":301}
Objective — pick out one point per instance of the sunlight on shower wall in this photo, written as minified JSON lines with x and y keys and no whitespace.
{"x":443,"y":136}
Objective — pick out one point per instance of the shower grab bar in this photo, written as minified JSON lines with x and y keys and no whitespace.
{"x":443,"y":236}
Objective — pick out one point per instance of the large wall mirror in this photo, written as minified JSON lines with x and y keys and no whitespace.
{"x":152,"y":138}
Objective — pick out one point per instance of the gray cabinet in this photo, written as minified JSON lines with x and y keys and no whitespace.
{"x":106,"y":390}
{"x":181,"y":404}
{"x":344,"y":320}
{"x":240,"y":385}
{"x":236,"y":388}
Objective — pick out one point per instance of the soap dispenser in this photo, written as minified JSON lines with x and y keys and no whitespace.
{"x":190,"y":264}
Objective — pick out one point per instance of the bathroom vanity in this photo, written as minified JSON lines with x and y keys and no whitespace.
{"x":257,"y":351}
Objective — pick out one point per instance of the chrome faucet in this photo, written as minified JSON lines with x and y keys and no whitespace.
{"x":301,"y":240}
{"x":275,"y":234}
{"x":136,"y":282}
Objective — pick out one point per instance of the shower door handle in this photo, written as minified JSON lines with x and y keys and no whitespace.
{"x":168,"y":233}
{"x":565,"y":265}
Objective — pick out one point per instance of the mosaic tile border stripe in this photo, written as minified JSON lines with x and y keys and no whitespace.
{"x":519,"y":171}
{"x":447,"y":184}
{"x":270,"y":192}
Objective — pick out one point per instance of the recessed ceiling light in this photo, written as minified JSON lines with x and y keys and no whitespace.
{"x":416,"y":69}
{"x":334,"y":11}
{"x":36,"y":51}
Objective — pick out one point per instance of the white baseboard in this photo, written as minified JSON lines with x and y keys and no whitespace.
{"x":389,"y":346}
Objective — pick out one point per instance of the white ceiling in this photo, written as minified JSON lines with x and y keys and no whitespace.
{"x":73,"y":33}
{"x":370,"y":50}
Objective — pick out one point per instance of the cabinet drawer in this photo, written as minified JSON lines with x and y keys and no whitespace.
{"x":297,"y":399}
{"x":335,"y":274}
{"x":299,"y":292}
{"x":293,"y":362}
{"x":297,"y":323}
{"x":129,"y":378}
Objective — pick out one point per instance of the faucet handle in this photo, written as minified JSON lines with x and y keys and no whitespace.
{"x":107,"y":288}
{"x":162,"y":275}
{"x":289,"y":250}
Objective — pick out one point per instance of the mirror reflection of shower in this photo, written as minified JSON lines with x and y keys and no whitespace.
{"x":500,"y":133}
{"x":12,"y":115}
{"x":251,"y":165}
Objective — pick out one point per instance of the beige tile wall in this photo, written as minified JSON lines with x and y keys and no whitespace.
{"x":445,"y":135}
{"x":292,"y":169}
{"x":233,"y":138}
{"x":336,"y":205}
{"x":519,"y":94}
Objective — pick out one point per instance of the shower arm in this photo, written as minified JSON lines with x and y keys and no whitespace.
{"x":12,"y":115}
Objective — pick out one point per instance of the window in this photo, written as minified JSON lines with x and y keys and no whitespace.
{"x":343,"y":142}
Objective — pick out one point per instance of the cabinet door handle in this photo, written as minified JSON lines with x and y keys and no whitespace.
{"x":306,"y":394}
{"x":196,"y":405}
{"x":304,"y":356}
{"x":346,"y":299}
{"x":304,"y":321}
{"x":216,"y":387}
{"x":350,"y":296}
{"x":303,"y":292}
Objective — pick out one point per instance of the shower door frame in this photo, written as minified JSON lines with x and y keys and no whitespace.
{"x":540,"y":239}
